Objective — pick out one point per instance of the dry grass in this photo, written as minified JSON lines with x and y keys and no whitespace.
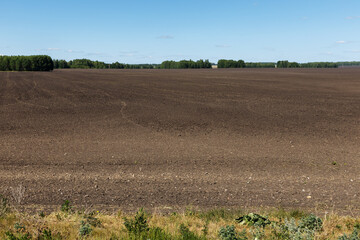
{"x":66,"y":225}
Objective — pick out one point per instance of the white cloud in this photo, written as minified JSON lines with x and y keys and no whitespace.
{"x":47,"y":49}
{"x":74,"y":51}
{"x":352,"y":17}
{"x":166,"y":37}
{"x":341,"y":42}
{"x":53,"y":49}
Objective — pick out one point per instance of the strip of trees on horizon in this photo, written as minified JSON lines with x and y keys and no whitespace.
{"x":287,"y":64}
{"x":89,"y":64}
{"x":185,"y":64}
{"x":45,"y":63}
{"x":26,"y":63}
{"x":223,"y":63}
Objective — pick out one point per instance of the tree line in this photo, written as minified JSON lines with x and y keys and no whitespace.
{"x":287,"y":64}
{"x":26,"y":63}
{"x":349,"y":64}
{"x":45,"y":63}
{"x":223,"y":63}
{"x":185,"y":64}
{"x":89,"y":64}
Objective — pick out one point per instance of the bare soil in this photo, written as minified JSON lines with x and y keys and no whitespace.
{"x":167,"y":139}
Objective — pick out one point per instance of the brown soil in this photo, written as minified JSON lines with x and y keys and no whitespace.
{"x":173,"y":138}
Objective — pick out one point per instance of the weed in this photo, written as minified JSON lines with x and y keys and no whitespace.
{"x":205,"y":229}
{"x":229,"y":233}
{"x":157,"y":233}
{"x":19,"y":227}
{"x":93,"y":221}
{"x":258,"y":233}
{"x":46,"y":234}
{"x":354,"y":236}
{"x":4,"y":206}
{"x":186,"y":234}
{"x":253,"y":219}
{"x":42,"y":214}
{"x":66,"y":207}
{"x":189,"y":212}
{"x":85,"y":229}
{"x":311,"y":222}
{"x":22,"y":236}
{"x":138,"y":224}
{"x":289,"y":230}
{"x":357,"y":225}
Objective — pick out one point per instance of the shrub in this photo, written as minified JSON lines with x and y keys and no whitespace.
{"x":311,"y":222}
{"x":229,"y":233}
{"x":137,"y":225}
{"x":85,"y":229}
{"x":93,"y":221}
{"x":253,"y":219}
{"x":289,"y":230}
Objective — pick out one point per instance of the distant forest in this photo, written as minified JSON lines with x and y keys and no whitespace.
{"x":184,"y":64}
{"x":26,"y":63}
{"x":88,"y":64}
{"x":222,"y":63}
{"x":45,"y":63}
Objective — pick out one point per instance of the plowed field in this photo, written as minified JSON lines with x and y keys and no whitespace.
{"x":168,"y":139}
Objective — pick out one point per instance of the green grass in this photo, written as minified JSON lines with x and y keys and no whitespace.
{"x":216,"y":223}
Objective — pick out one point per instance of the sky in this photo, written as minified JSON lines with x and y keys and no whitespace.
{"x":152,"y":31}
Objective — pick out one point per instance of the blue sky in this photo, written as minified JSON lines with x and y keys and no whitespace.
{"x":151,"y":31}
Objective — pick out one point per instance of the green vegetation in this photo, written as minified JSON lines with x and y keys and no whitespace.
{"x":253,"y":219}
{"x":66,"y":207}
{"x":185,"y":64}
{"x":287,"y":64}
{"x":45,"y":63}
{"x":26,"y":63}
{"x":319,"y":65}
{"x":349,"y":64}
{"x":89,"y":64}
{"x":260,"y":65}
{"x":222,"y":63}
{"x":223,"y":224}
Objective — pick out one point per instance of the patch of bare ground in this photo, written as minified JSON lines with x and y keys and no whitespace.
{"x":173,"y":138}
